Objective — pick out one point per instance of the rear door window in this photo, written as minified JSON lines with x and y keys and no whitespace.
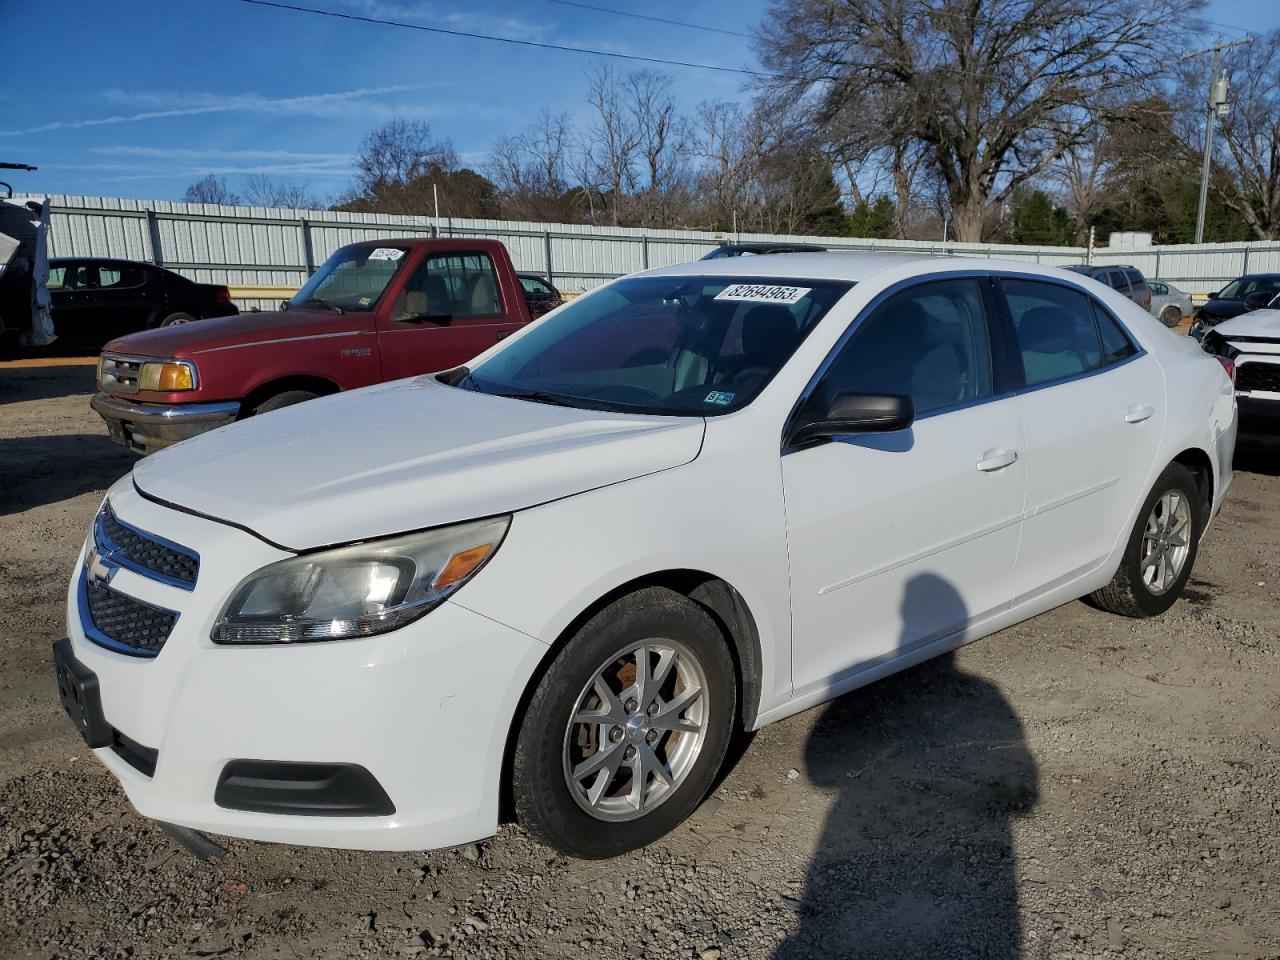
{"x":120,"y":275}
{"x":1056,"y":332}
{"x":1116,"y":345}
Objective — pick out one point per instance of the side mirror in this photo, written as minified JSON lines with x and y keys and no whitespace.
{"x":1214,"y":295}
{"x":284,"y":305}
{"x":851,"y":413}
{"x":1258,"y":299}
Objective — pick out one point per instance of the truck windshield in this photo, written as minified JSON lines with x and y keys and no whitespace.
{"x":353,"y":279}
{"x":676,"y":345}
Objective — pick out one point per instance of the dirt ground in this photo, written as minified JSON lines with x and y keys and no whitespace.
{"x":1077,"y":786}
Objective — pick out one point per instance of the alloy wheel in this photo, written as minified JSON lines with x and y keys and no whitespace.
{"x":1166,"y":542}
{"x":636,"y":730}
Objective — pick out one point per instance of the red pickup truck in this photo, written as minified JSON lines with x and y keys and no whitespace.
{"x":377,"y":310}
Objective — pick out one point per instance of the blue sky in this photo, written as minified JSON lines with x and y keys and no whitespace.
{"x":141,"y":97}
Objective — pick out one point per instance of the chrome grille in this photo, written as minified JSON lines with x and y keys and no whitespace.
{"x":1258,"y":376}
{"x":118,"y":373}
{"x":143,"y":552}
{"x":121,"y":622}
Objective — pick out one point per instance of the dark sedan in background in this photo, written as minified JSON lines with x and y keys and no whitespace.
{"x":539,"y":293}
{"x":95,"y":300}
{"x":1253,"y":291}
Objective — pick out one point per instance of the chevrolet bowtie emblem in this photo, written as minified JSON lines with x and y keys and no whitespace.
{"x":99,"y":569}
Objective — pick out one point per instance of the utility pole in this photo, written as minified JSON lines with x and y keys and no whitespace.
{"x":1217,"y":107}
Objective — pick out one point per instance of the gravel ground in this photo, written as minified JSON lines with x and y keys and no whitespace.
{"x":1077,"y":786}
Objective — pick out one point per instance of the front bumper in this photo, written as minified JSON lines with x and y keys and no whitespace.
{"x":425,"y":710}
{"x":1259,"y":420}
{"x":147,"y":427}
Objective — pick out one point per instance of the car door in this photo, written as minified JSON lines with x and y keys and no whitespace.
{"x":1093,"y":408}
{"x":123,"y":303}
{"x":897,"y":540}
{"x":450,"y":309}
{"x":72,"y":286}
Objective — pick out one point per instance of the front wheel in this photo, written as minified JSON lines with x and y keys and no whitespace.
{"x":173,"y":319}
{"x":1161,"y":550}
{"x":285,"y":399}
{"x":626,"y":731}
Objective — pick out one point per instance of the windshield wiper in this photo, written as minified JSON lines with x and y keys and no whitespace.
{"x":324,"y":303}
{"x":538,"y":397}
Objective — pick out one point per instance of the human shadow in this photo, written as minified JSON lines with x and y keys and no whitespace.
{"x":40,"y":470}
{"x":929,"y":769}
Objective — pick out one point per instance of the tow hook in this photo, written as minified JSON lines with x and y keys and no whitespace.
{"x":194,"y":842}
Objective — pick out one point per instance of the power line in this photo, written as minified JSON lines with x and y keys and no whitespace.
{"x":519,"y":43}
{"x":642,"y":16}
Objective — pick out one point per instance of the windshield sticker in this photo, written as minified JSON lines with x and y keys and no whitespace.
{"x":721,"y":398}
{"x":762,"y":293}
{"x":386,"y":253}
{"x":365,"y":301}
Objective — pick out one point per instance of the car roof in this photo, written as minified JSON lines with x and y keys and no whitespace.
{"x":853,"y":266}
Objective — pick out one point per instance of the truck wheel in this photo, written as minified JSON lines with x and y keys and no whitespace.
{"x":1161,"y":550}
{"x":286,"y":399}
{"x":1171,"y":316}
{"x":627,"y":729}
{"x":173,"y":319}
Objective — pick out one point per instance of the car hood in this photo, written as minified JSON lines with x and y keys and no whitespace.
{"x":404,"y":456}
{"x":1256,"y":323}
{"x":1216,"y":310}
{"x":192,"y":339}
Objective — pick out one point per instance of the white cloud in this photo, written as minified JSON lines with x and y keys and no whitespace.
{"x":165,"y":105}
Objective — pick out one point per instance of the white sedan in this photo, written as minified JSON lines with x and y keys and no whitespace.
{"x":701,"y":497}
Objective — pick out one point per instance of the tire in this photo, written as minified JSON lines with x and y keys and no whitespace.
{"x":286,"y":399}
{"x":550,"y":743}
{"x":173,"y":319}
{"x":1129,"y":593}
{"x":1171,"y":316}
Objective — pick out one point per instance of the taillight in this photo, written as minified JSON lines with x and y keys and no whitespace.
{"x":1228,"y":365}
{"x":222,"y":295}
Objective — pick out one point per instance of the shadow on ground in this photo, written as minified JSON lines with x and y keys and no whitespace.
{"x":40,"y":470}
{"x":929,"y":768}
{"x":1258,"y":459}
{"x":22,"y":383}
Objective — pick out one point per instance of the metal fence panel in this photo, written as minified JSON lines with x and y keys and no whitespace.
{"x":267,"y":247}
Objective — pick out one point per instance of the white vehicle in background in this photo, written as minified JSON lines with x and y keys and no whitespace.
{"x":703,"y":496}
{"x":1169,"y":303}
{"x":1249,"y":347}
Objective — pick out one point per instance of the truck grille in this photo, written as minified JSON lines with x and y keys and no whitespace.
{"x":144,"y":553}
{"x":121,"y":622}
{"x":1258,"y":376}
{"x":118,"y":373}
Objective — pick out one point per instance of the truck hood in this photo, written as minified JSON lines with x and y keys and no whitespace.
{"x":189,"y":340}
{"x":1256,"y":323}
{"x":404,"y":456}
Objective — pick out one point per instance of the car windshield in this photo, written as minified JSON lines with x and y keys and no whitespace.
{"x":677,"y":345}
{"x":1239,"y":289}
{"x":352,"y":280}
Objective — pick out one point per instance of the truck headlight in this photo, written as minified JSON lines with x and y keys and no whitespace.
{"x":357,"y":591}
{"x":167,"y":376}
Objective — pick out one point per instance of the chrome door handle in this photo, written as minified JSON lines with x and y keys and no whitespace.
{"x":1138,"y":412}
{"x":997,"y":459}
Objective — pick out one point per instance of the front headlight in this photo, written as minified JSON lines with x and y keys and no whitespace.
{"x":357,"y":591}
{"x":167,"y":376}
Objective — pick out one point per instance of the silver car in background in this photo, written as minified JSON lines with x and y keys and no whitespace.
{"x":1169,"y":303}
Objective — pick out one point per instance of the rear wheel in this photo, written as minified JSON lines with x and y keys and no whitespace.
{"x":1171,"y":316}
{"x":173,"y":319}
{"x":285,"y":399}
{"x":1161,"y":550}
{"x":627,"y":729}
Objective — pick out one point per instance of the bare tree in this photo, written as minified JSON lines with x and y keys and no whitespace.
{"x":995,"y":91}
{"x":531,"y":169}
{"x":210,"y":189}
{"x":1251,"y":136}
{"x":261,"y":190}
{"x":661,"y":147}
{"x":612,"y":142}
{"x":397,"y":166}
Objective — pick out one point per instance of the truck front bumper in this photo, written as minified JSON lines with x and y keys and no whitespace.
{"x":147,"y":427}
